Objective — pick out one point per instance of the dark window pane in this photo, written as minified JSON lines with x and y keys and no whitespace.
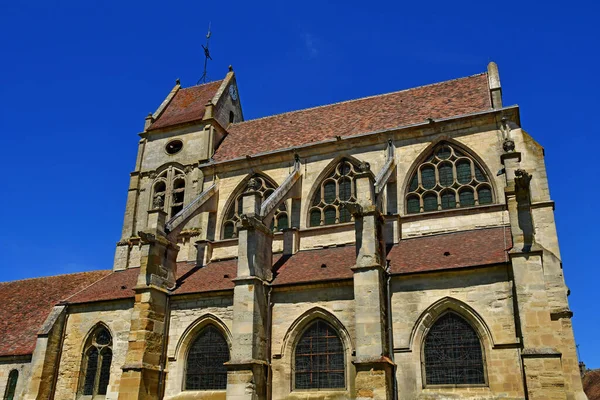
{"x":345,"y":215}
{"x":315,"y":218}
{"x":467,"y":199}
{"x":90,"y":371}
{"x":329,"y":192}
{"x":485,"y":195}
{"x":448,"y":200}
{"x":344,"y":186}
{"x":453,"y":353}
{"x":463,"y":171}
{"x":228,"y":232}
{"x":445,"y":174}
{"x":103,"y":337}
{"x":444,"y":152}
{"x":414,"y":183}
{"x":178,"y":197}
{"x":205,"y":369}
{"x":412,"y":205}
{"x":319,"y":359}
{"x":179,"y":184}
{"x":329,"y":216}
{"x":11,"y":385}
{"x":282,"y":222}
{"x":345,"y":168}
{"x":104,"y":371}
{"x":160,"y":187}
{"x":430,"y":202}
{"x":428,"y":177}
{"x":479,"y":175}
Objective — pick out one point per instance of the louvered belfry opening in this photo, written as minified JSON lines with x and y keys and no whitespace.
{"x":452,"y":353}
{"x":319,"y":359}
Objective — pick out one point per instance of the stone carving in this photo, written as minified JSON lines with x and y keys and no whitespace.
{"x":253,"y":185}
{"x":508,"y":145}
{"x":188,"y":169}
{"x":522,"y":179}
{"x":364,"y":166}
{"x":159,"y":202}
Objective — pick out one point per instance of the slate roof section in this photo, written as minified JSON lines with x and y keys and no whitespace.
{"x":27,"y":303}
{"x":188,"y":105}
{"x":440,"y":100}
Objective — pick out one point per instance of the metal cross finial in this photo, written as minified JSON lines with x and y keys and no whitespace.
{"x":206,"y":56}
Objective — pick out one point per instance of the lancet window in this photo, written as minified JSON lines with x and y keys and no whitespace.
{"x":168,"y":191}
{"x":338,"y":186}
{"x":11,"y":385}
{"x":452,"y":353}
{"x":266,"y":188}
{"x":447,"y":179}
{"x":97,"y":358}
{"x":319,"y":358}
{"x":205,"y":369}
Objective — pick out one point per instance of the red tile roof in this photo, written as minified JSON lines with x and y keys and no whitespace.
{"x":440,"y":100}
{"x":591,"y":384}
{"x":27,"y":303}
{"x":452,"y":250}
{"x":188,"y":105}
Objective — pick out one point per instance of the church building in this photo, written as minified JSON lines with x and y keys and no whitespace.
{"x":399,"y":246}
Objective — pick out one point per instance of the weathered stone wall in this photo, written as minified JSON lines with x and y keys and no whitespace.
{"x":81,"y":320}
{"x":24,"y":369}
{"x":188,"y":316}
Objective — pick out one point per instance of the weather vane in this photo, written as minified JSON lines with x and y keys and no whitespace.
{"x":206,"y":56}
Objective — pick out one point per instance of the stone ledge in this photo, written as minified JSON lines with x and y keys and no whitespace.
{"x":541,"y":352}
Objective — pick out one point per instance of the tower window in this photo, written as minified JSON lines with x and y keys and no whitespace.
{"x":231,"y":117}
{"x":205,"y":369}
{"x":97,"y":359}
{"x":174,"y":146}
{"x":168,"y":192}
{"x":452,"y":353}
{"x":447,"y":179}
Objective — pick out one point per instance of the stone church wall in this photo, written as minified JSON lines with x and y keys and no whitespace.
{"x":82,"y":319}
{"x":24,"y":370}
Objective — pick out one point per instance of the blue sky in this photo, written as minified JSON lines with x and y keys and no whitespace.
{"x":77,"y":79}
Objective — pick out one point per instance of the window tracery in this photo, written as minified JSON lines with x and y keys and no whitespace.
{"x":97,"y":358}
{"x":266,"y":188}
{"x":319,"y":358}
{"x":11,"y":385}
{"x":339,"y":186}
{"x":205,"y":369}
{"x":452,"y":353}
{"x":447,"y":179}
{"x":168,"y":191}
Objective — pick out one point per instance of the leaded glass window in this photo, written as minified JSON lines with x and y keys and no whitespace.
{"x":11,"y":385}
{"x":452,"y":353}
{"x":205,"y":368}
{"x":97,"y":359}
{"x":266,"y":188}
{"x":447,"y":179}
{"x":319,"y":358}
{"x":168,"y":191}
{"x":337,"y":187}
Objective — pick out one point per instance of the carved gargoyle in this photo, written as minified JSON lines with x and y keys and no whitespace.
{"x":147,"y":237}
{"x":522,"y":179}
{"x":253,"y":185}
{"x":364,"y":166}
{"x":508,"y":145}
{"x":354,"y":208}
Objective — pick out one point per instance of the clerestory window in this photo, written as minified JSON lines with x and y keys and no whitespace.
{"x":168,"y":191}
{"x":319,"y":358}
{"x":339,"y":186}
{"x":447,"y":179}
{"x":452,"y":353}
{"x":11,"y":385}
{"x":97,"y":359}
{"x":266,"y":188}
{"x":205,"y":367}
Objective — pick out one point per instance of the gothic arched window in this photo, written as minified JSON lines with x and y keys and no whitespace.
{"x":452,"y":353}
{"x":447,"y":179}
{"x":266,"y":188}
{"x":168,"y":191}
{"x":338,"y":186}
{"x":97,"y":358}
{"x":319,"y":358}
{"x":11,"y":385}
{"x":205,"y":369}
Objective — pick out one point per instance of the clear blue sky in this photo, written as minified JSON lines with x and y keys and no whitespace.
{"x":78,"y":77}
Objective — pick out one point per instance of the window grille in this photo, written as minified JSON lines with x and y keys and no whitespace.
{"x":319,"y":358}
{"x":447,"y":179}
{"x":11,"y":385}
{"x":205,"y":368}
{"x":97,"y":359}
{"x":266,"y":188}
{"x":168,"y":192}
{"x":452,"y":353}
{"x":339,"y":186}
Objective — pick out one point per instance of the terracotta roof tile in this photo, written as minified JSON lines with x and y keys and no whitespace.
{"x":27,"y":303}
{"x":451,"y":250}
{"x":188,"y":105}
{"x":440,"y":100}
{"x":591,"y":384}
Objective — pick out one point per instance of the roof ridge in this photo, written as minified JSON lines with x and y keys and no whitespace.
{"x":54,"y":276}
{"x":353,"y":100}
{"x":203,"y":84}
